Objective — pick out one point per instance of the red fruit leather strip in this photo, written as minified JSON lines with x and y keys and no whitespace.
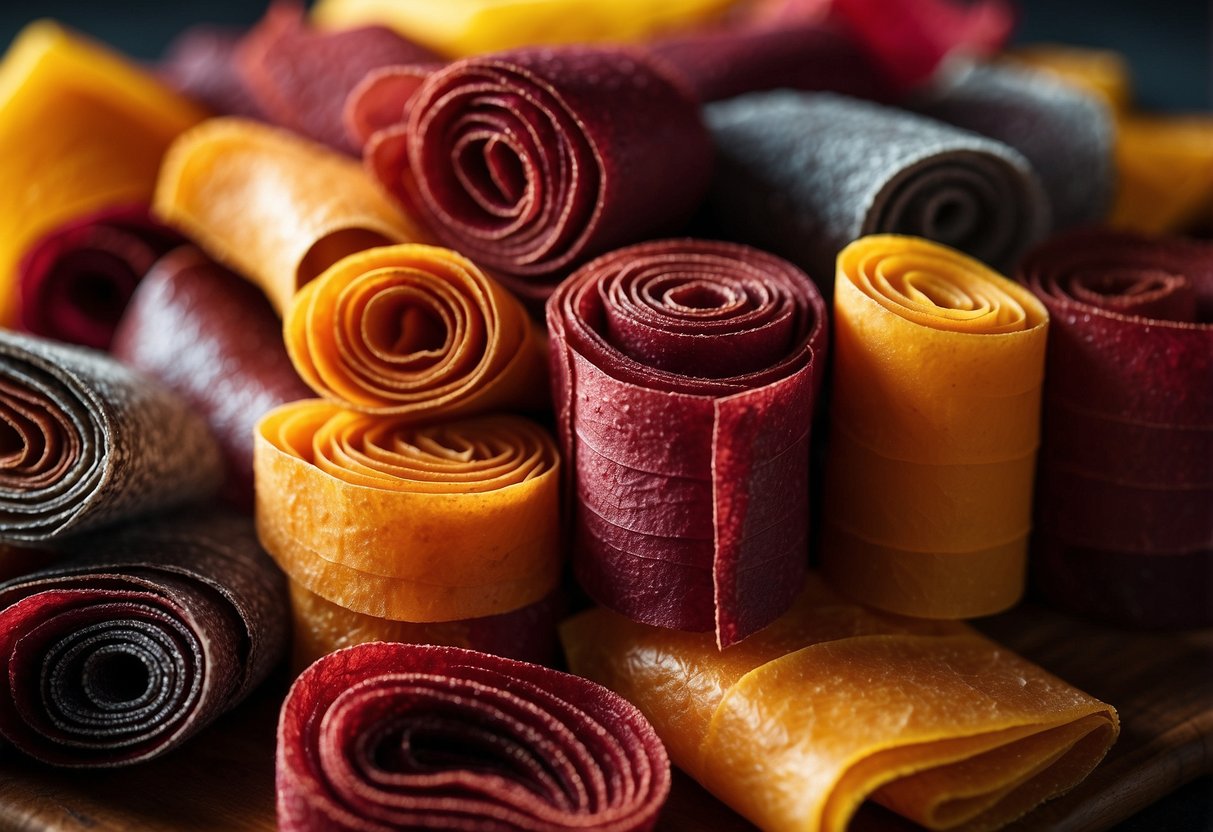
{"x":685,"y":374}
{"x":300,"y":78}
{"x":200,"y":63}
{"x":212,"y":338}
{"x":121,"y":655}
{"x":533,"y":161}
{"x":803,"y":56}
{"x":76,"y":281}
{"x":417,"y":737}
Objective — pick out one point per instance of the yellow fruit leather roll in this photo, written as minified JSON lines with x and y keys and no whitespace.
{"x":81,"y":129}
{"x":934,"y":428}
{"x":834,"y":704}
{"x":275,"y":208}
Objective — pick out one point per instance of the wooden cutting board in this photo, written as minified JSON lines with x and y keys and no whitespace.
{"x":224,"y":780}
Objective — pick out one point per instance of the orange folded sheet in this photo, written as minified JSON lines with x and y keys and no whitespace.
{"x":80,"y":130}
{"x":276,"y":208}
{"x":934,"y":426}
{"x":415,"y":331}
{"x":834,"y":704}
{"x":439,"y":522}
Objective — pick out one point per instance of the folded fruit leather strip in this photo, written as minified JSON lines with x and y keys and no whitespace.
{"x":213,"y":339}
{"x":87,"y":441}
{"x":275,"y":208}
{"x":396,"y":736}
{"x":1068,"y":135}
{"x":834,"y":704}
{"x":77,"y":280}
{"x":1126,"y":465}
{"x":532,"y":162}
{"x":201,"y":63}
{"x":685,"y":374}
{"x":124,"y":653}
{"x":803,"y":174}
{"x":81,"y":130}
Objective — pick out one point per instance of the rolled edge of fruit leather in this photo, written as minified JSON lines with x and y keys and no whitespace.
{"x":122,"y":654}
{"x":534,"y":161}
{"x":685,"y":373}
{"x":834,"y":704}
{"x":461,"y":28}
{"x":87,"y":441}
{"x":416,"y":331}
{"x":422,"y":523}
{"x":1126,"y":464}
{"x":803,"y":174}
{"x":81,"y":130}
{"x":77,"y":280}
{"x":276,"y":208}
{"x":934,"y":426}
{"x":365,"y":734}
{"x":213,"y":339}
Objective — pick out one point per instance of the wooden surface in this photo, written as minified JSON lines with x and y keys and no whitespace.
{"x":1161,"y":684}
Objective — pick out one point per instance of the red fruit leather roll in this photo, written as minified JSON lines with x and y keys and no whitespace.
{"x":398,"y":736}
{"x":200,"y":63}
{"x":1126,"y":469}
{"x":122,"y":654}
{"x":300,"y":78}
{"x":533,"y":161}
{"x":77,"y":280}
{"x":685,"y":374}
{"x":212,"y":338}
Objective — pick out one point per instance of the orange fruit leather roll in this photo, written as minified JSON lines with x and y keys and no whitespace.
{"x":833,"y":704}
{"x":438,"y":522}
{"x":274,"y":207}
{"x":415,"y":330}
{"x":934,"y":428}
{"x":80,"y":130}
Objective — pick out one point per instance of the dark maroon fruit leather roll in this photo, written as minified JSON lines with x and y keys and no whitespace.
{"x":124,"y":653}
{"x":399,"y":736}
{"x":212,"y":338}
{"x":533,"y":161}
{"x":1124,"y":507}
{"x":76,"y":281}
{"x":86,"y":441}
{"x":685,"y":374}
{"x":200,"y":63}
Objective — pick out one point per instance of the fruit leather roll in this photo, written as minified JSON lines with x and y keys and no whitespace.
{"x":1067,"y":135}
{"x":78,"y":279}
{"x":438,"y":522}
{"x":803,"y":174}
{"x":399,"y":736}
{"x":534,"y":161}
{"x":416,"y":331}
{"x":685,"y":374}
{"x":934,"y":426}
{"x":200,"y":63}
{"x":213,"y":339}
{"x":87,"y":441}
{"x":81,"y":130}
{"x":275,"y":208}
{"x":125,"y":652}
{"x":1125,"y":494}
{"x":834,"y":704}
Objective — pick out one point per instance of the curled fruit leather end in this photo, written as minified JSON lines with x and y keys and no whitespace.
{"x":200,"y":63}
{"x":532,"y":162}
{"x":1124,"y":506}
{"x":685,"y":374}
{"x":87,"y":441}
{"x":300,"y":77}
{"x":412,"y":737}
{"x":77,"y":281}
{"x":934,"y":427}
{"x":213,"y":339}
{"x":416,"y":331}
{"x":834,"y":704}
{"x":122,"y":654}
{"x":803,"y":174}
